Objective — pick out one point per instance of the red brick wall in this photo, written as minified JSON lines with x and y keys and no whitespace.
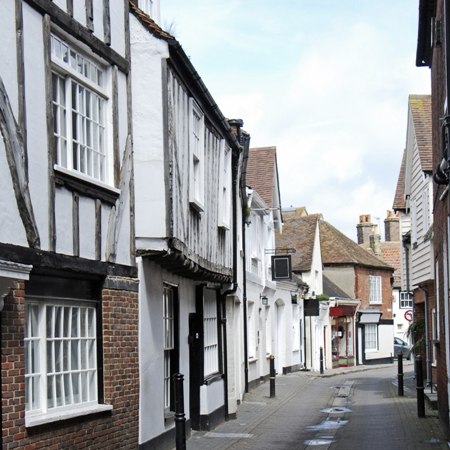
{"x":362,"y":290}
{"x":117,"y":429}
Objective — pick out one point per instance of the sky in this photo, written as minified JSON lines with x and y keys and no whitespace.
{"x":324,"y":81}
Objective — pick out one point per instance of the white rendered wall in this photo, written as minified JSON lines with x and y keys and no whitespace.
{"x":147,"y":54}
{"x":151,"y":355}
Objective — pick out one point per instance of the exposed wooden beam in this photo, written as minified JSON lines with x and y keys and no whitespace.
{"x":80,"y":32}
{"x":12,"y":137}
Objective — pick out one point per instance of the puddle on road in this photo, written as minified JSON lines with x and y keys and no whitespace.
{"x":336,"y":410}
{"x":320,"y":441}
{"x":328,"y":425}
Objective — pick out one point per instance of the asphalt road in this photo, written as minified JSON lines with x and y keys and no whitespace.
{"x":352,"y":410}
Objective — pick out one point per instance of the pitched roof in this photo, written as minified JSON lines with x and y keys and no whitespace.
{"x":420,"y":107}
{"x":299,"y":233}
{"x":338,"y":249}
{"x":262,"y":174}
{"x":399,"y":198}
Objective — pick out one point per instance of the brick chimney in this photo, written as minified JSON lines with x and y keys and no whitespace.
{"x":364,"y":229}
{"x":236,"y":126}
{"x":392,"y":227}
{"x":375,"y":243}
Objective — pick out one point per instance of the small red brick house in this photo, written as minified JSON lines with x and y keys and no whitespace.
{"x":367,"y":278}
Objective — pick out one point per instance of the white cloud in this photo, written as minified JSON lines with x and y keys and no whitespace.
{"x":325,"y":82}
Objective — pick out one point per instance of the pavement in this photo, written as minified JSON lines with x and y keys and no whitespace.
{"x":292,"y":420}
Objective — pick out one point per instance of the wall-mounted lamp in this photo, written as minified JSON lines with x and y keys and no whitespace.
{"x":264,"y":299}
{"x":294,"y":296}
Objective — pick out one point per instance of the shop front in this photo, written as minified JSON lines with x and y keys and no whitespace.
{"x":343,"y":334}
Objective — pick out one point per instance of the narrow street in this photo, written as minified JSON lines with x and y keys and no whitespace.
{"x":353,"y":410}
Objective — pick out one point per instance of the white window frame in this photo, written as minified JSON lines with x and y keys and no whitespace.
{"x":224,"y":210}
{"x":251,"y":338}
{"x":168,"y":341}
{"x":80,"y":92}
{"x":413,"y":208}
{"x":61,"y":366}
{"x":196,"y":156}
{"x":375,"y":297}
{"x":371,"y":337}
{"x":268,"y":327}
{"x":406,"y":300}
{"x":210,"y":335}
{"x":426,"y":207}
{"x":295,"y":328}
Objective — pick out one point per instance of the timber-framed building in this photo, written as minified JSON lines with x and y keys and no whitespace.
{"x":69,"y":350}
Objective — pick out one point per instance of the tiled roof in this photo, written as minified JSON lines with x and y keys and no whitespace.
{"x":149,"y":23}
{"x":262,"y":173}
{"x":399,"y":198}
{"x":298,"y":233}
{"x":420,"y":106}
{"x":338,"y":249}
{"x":390,"y":254}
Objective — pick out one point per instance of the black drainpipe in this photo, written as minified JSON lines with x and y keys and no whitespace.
{"x":236,"y":125}
{"x":245,"y":141}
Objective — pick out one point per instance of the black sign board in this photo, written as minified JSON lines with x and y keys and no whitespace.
{"x":311,"y":307}
{"x":281,"y":267}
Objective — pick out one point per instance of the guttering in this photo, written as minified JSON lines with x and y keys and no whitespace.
{"x":243,"y":192}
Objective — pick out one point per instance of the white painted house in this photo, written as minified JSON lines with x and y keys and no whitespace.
{"x":301,"y":232}
{"x":265,"y":336}
{"x":66,"y":236}
{"x":186,"y":159}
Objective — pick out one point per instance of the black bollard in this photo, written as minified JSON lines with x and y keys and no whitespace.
{"x":180,"y":420}
{"x":272,"y":376}
{"x":321,"y":360}
{"x":420,"y":388}
{"x":400,"y":374}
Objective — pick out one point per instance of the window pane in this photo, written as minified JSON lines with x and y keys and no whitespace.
{"x":76,"y":387}
{"x":92,"y":354}
{"x":59,"y":390}
{"x":83,"y":356}
{"x":67,"y":389}
{"x":50,"y":392}
{"x":74,"y":355}
{"x":83,"y":331}
{"x":66,"y":347}
{"x":75,"y":330}
{"x":58,"y":356}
